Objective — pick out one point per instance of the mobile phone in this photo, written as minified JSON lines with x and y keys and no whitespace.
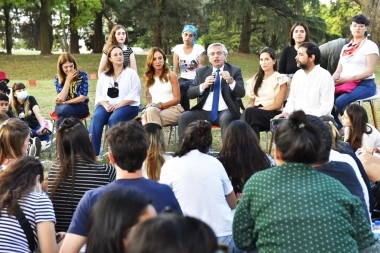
{"x":274,"y":123}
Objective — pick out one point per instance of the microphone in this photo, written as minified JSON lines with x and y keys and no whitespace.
{"x":213,"y":84}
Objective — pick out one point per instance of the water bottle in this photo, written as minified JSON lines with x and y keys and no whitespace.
{"x":376,"y":229}
{"x":211,"y":151}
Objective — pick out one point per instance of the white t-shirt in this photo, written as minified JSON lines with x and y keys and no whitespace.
{"x":188,"y":63}
{"x":357,"y":63}
{"x":200,"y":185}
{"x":371,"y":140}
{"x":161,"y":92}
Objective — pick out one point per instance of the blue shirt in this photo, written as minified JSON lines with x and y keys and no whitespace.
{"x":77,"y":87}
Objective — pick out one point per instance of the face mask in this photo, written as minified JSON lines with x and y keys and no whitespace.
{"x":22,"y":95}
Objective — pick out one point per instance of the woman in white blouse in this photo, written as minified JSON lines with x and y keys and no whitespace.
{"x":117,"y":96}
{"x":267,"y":92}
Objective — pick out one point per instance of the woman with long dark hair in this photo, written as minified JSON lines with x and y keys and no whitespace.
{"x":241,"y":154}
{"x":75,"y":171}
{"x":267,"y":92}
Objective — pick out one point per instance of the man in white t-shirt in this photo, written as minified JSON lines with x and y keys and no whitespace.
{"x":312,"y":87}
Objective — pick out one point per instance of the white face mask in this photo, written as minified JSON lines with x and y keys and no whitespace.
{"x":22,"y":95}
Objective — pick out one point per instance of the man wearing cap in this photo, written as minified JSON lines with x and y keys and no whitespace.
{"x":3,"y":83}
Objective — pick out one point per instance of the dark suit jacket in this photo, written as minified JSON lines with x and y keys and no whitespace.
{"x":231,"y":97}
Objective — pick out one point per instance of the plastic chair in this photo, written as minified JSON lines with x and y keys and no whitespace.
{"x":54,"y":117}
{"x":371,"y":101}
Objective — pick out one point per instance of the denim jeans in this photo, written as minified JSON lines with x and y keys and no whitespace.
{"x":64,"y":111}
{"x":366,"y":88}
{"x":101,"y":117}
{"x":184,"y":85}
{"x":45,"y":137}
{"x":228,"y":240}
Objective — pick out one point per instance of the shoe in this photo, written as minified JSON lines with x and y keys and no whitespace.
{"x":45,"y":145}
{"x":32,"y":150}
{"x":35,"y":147}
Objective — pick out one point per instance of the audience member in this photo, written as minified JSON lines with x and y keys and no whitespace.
{"x":330,"y":53}
{"x":200,"y":182}
{"x":26,"y":108}
{"x":172,"y":234}
{"x":218,"y":88}
{"x":241,"y":154}
{"x":357,"y":64}
{"x":118,"y":37}
{"x":358,"y":133}
{"x":3,"y":117}
{"x":14,"y":141}
{"x":4,"y":105}
{"x":162,"y":90}
{"x":27,"y":215}
{"x":72,"y":88}
{"x":156,"y":152}
{"x":3,"y":84}
{"x":128,"y":146}
{"x":299,"y":33}
{"x":267,"y":92}
{"x":75,"y":171}
{"x":327,"y":217}
{"x":117,"y":96}
{"x":370,"y":158}
{"x":113,"y":216}
{"x":312,"y":86}
{"x":187,"y":58}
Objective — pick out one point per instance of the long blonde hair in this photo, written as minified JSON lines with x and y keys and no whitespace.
{"x":15,"y":104}
{"x":157,"y":148}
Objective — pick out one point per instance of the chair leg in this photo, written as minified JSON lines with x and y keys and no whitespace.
{"x":266,"y":141}
{"x":372,"y":102}
{"x":170,"y":134}
{"x":51,"y":139}
{"x":271,"y":143}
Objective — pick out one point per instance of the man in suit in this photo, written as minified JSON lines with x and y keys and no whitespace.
{"x":218,"y":88}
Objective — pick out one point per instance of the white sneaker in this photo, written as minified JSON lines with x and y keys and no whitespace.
{"x":35,"y":147}
{"x":45,"y":145}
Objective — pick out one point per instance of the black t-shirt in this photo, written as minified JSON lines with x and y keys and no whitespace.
{"x":29,"y":117}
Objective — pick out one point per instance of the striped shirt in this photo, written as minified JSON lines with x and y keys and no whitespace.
{"x":87,"y":176}
{"x":37,"y":208}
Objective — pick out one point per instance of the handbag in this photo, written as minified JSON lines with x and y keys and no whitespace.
{"x":346,"y":87}
{"x":25,"y":225}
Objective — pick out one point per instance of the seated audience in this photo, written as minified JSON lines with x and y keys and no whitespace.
{"x":218,"y":88}
{"x":14,"y":141}
{"x":156,"y":152}
{"x":71,"y":85}
{"x":267,"y":92}
{"x":328,"y":218}
{"x":75,"y":171}
{"x":162,"y":90}
{"x":172,"y":233}
{"x":357,"y":64}
{"x":200,"y":182}
{"x":358,"y":133}
{"x":117,"y":96}
{"x":114,"y":215}
{"x":3,"y":84}
{"x":128,"y":146}
{"x":23,"y":202}
{"x":312,"y":87}
{"x":241,"y":154}
{"x":4,"y":105}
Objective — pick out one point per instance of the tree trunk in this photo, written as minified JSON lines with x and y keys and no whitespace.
{"x":371,"y":9}
{"x":8,"y":28}
{"x":44,"y":28}
{"x":246,"y":30}
{"x":98,"y":38}
{"x":159,"y":25}
{"x":74,"y":36}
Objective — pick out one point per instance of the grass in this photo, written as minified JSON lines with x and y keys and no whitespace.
{"x":20,"y":68}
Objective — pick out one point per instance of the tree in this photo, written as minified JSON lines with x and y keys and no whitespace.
{"x":371,"y":8}
{"x":45,"y":27}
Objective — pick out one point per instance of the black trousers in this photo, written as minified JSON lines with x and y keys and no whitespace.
{"x":258,"y":119}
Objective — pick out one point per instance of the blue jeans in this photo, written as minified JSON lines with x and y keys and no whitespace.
{"x":101,"y":117}
{"x":184,"y":85}
{"x":228,"y":240}
{"x":45,"y":137}
{"x":366,"y":88}
{"x":64,"y":111}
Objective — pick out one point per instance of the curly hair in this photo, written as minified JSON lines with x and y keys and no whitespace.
{"x":149,"y":69}
{"x":18,"y":180}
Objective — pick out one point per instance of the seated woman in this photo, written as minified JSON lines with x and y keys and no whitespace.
{"x":192,"y":172}
{"x":117,"y":96}
{"x":156,"y":152}
{"x":172,"y":233}
{"x":14,"y":140}
{"x":119,"y":211}
{"x":358,"y":133}
{"x":72,"y":88}
{"x":241,"y":154}
{"x":267,"y":92}
{"x":26,"y":108}
{"x":357,"y":64}
{"x":22,"y":197}
{"x":162,"y":90}
{"x":329,"y":216}
{"x":75,"y":171}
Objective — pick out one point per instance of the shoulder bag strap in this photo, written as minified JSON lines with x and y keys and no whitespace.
{"x":25,"y":225}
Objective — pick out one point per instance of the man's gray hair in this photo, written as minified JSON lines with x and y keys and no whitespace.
{"x":218,"y":44}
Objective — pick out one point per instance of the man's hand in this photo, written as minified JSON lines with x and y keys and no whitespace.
{"x":282,"y":115}
{"x":226,"y":76}
{"x":208,"y":81}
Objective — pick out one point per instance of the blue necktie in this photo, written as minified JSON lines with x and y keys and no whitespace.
{"x":215,"y":98}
